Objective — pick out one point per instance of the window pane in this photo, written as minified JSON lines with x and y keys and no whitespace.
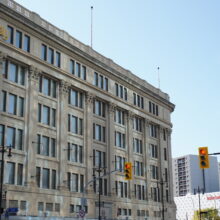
{"x":53,"y":147}
{"x":12,"y":104}
{"x":10,"y":137}
{"x":44,"y":52}
{"x":19,"y":139}
{"x":53,"y":89}
{"x":57,"y":59}
{"x":74,"y":97}
{"x":74,"y":124}
{"x":38,"y":175}
{"x":27,"y":43}
{"x":78,"y":72}
{"x":46,"y":178}
{"x":46,"y":86}
{"x":53,"y":118}
{"x":53,"y":184}
{"x":12,"y":74}
{"x":2,"y":134}
{"x":3,"y":101}
{"x":21,"y":78}
{"x":51,"y":56}
{"x":72,"y":67}
{"x":46,"y":115}
{"x":20,"y":174}
{"x":84,"y":72}
{"x":75,"y":182}
{"x":45,"y":146}
{"x":21,"y":107}
{"x":10,"y":173}
{"x":10,"y":35}
{"x":18,"y":42}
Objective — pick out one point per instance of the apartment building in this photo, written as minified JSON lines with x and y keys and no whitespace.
{"x":67,"y":112}
{"x":187,"y":175}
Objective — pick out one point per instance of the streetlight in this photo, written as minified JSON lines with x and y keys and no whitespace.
{"x":3,"y":150}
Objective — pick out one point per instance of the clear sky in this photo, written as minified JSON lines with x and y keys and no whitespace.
{"x":182,"y":37}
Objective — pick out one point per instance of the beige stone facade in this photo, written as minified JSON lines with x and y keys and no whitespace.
{"x":65,"y":111}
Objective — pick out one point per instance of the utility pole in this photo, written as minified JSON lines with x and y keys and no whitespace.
{"x":199,"y":191}
{"x":3,"y":150}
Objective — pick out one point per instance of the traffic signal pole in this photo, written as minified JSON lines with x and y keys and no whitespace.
{"x":203,"y":175}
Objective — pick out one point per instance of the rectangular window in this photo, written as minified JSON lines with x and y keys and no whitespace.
{"x":100,"y":81}
{"x":10,"y":35}
{"x":119,"y":139}
{"x":137,"y":146}
{"x":121,"y":91}
{"x":76,"y":98}
{"x":75,"y":124}
{"x":40,"y":206}
{"x":44,"y":52}
{"x":47,"y":86}
{"x":53,"y":147}
{"x":46,"y":178}
{"x":57,"y":59}
{"x":46,"y":115}
{"x":2,"y":134}
{"x":153,"y":108}
{"x":38,"y":176}
{"x":27,"y":43}
{"x":13,"y":72}
{"x":78,"y":70}
{"x":20,"y":174}
{"x":12,"y":104}
{"x":72,"y":67}
{"x":119,"y":117}
{"x":53,"y":179}
{"x":153,"y":130}
{"x":138,"y":100}
{"x":19,"y":138}
{"x":153,"y":151}
{"x":23,"y":205}
{"x":18,"y":42}
{"x":99,"y":108}
{"x":45,"y":145}
{"x":49,"y":207}
{"x":165,"y":153}
{"x":50,"y":55}
{"x":98,"y":132}
{"x":83,"y":75}
{"x":75,"y":182}
{"x":10,"y":137}
{"x":10,"y":173}
{"x":137,"y":124}
{"x":3,"y":101}
{"x":21,"y":107}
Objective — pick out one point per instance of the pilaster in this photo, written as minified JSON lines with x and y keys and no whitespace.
{"x":129,"y":145}
{"x":111,"y":148}
{"x":62,"y":137}
{"x":88,"y":116}
{"x":31,"y":125}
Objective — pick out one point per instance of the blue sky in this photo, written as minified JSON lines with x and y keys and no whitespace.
{"x":181,"y":37}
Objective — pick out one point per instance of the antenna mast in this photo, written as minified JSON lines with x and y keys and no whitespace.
{"x":91,"y":23}
{"x":158,"y":72}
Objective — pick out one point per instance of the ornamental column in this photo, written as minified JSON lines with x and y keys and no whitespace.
{"x":31,"y":125}
{"x":62,"y":133}
{"x":111,"y":148}
{"x":129,"y":145}
{"x":89,"y":140}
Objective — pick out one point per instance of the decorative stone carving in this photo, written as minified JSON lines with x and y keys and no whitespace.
{"x":64,"y":86}
{"x":34,"y":73}
{"x":112,"y":108}
{"x":2,"y":59}
{"x":89,"y":98}
{"x":131,"y":115}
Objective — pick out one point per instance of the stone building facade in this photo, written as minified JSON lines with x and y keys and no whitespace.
{"x":67,"y":111}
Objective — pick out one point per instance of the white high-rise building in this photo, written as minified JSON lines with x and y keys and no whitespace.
{"x":187,"y":175}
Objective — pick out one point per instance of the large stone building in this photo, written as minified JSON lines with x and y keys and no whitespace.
{"x":187,"y":175}
{"x":65,"y":111}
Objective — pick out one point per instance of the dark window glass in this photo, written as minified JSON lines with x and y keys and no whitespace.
{"x":46,"y":178}
{"x":19,"y":139}
{"x":26,"y":43}
{"x":51,"y":56}
{"x":10,"y":173}
{"x":43,"y":52}
{"x":53,"y":147}
{"x":78,"y":70}
{"x":12,"y":104}
{"x":72,"y":67}
{"x":57,"y":59}
{"x":10,"y":35}
{"x":10,"y":137}
{"x":84,"y":72}
{"x":20,"y":174}
{"x":2,"y":134}
{"x":20,"y":106}
{"x":38,"y":176}
{"x":53,"y":183}
{"x":45,"y":145}
{"x":3,"y":101}
{"x":18,"y":39}
{"x":13,"y":72}
{"x":46,"y":115}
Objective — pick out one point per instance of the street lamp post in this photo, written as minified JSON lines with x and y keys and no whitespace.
{"x":3,"y":150}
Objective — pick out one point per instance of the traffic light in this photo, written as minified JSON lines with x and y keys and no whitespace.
{"x":203,"y":158}
{"x":128,"y":170}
